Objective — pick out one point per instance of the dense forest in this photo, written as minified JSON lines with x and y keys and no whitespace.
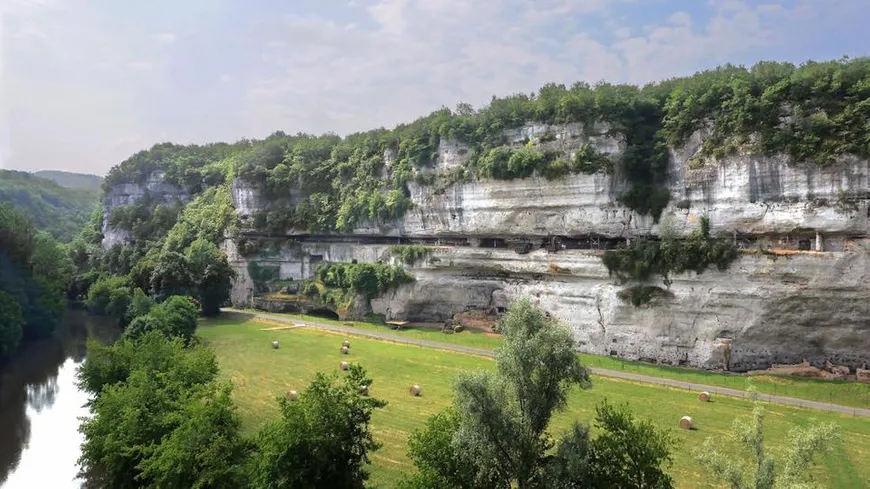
{"x":35,"y":273}
{"x":75,"y":181}
{"x":59,"y":210}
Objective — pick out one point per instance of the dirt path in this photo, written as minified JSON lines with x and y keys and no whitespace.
{"x":646,"y":379}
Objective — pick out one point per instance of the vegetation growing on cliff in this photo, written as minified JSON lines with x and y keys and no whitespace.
{"x":366,"y":279}
{"x":816,"y":112}
{"x":644,"y":258}
{"x":410,"y":254}
{"x":813,"y":112}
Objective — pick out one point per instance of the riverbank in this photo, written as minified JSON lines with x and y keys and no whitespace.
{"x":260,"y":373}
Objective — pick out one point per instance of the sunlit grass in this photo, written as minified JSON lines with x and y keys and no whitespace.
{"x":260,"y":373}
{"x":852,"y":394}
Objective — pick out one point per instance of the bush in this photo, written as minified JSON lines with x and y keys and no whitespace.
{"x":410,"y":254}
{"x":644,"y":258}
{"x":110,"y":296}
{"x":367,"y":279}
{"x":174,"y":318}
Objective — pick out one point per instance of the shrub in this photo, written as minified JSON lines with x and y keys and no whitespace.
{"x":410,"y":254}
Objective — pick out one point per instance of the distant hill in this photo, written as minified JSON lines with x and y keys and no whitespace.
{"x":59,"y":210}
{"x":77,"y":181}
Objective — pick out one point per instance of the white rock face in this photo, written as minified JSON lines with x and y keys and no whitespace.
{"x":765,"y":309}
{"x":130,"y":193}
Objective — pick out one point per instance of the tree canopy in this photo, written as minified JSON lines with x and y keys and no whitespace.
{"x":35,"y":273}
{"x":495,"y":435}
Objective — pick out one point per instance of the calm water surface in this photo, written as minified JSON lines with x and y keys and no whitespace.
{"x":40,"y":406}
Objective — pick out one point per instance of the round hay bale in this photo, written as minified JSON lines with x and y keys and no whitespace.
{"x":292,"y":395}
{"x":415,"y":390}
{"x":343,"y":365}
{"x":364,"y":390}
{"x":275,"y":345}
{"x":345,"y":350}
{"x":346,"y":344}
{"x":686,"y":423}
{"x":704,"y":396}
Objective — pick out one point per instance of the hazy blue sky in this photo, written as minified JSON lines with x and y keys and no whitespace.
{"x":85,"y":83}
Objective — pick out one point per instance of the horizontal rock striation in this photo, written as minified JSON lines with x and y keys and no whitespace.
{"x":799,"y":289}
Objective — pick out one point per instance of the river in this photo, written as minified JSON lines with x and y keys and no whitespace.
{"x":40,"y":406}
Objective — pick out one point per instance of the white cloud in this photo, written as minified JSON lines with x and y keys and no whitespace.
{"x":680,"y":18}
{"x":389,"y":14}
{"x":164,"y":38}
{"x":140,"y":65}
{"x":343,"y":69}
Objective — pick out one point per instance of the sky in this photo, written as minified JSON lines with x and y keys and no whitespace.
{"x":86,"y":83}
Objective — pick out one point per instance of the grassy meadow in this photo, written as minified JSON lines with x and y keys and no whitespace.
{"x":260,"y":373}
{"x":837,"y":392}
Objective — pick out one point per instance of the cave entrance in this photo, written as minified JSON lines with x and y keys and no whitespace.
{"x":324,"y":313}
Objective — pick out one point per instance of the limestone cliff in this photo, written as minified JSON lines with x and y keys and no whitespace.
{"x":798,"y":290}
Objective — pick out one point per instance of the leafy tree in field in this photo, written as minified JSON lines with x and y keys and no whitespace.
{"x":761,"y":473}
{"x":503,"y":416}
{"x":495,"y":436}
{"x":627,"y":453}
{"x":211,"y":273}
{"x":439,"y":462}
{"x":158,"y":419}
{"x":11,"y":322}
{"x":322,"y":438}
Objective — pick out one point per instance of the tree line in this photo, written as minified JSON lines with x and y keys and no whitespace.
{"x":812,"y":113}
{"x":35,"y":273}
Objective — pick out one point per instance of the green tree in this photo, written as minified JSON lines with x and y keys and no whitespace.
{"x":495,"y":436}
{"x":140,"y":305}
{"x":52,"y":262}
{"x":176,"y":317}
{"x":627,"y":453}
{"x":504,"y":416}
{"x":205,"y":450}
{"x":212,"y":275}
{"x":438,"y":462}
{"x":804,"y":444}
{"x":11,"y":322}
{"x":110,"y":296}
{"x":153,"y":352}
{"x":171,"y":275}
{"x":158,"y":419}
{"x":322,"y":438}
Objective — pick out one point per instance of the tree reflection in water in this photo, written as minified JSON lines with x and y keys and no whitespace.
{"x":30,"y":381}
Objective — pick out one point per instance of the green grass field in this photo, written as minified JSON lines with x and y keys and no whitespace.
{"x":260,"y":373}
{"x":836,"y":392}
